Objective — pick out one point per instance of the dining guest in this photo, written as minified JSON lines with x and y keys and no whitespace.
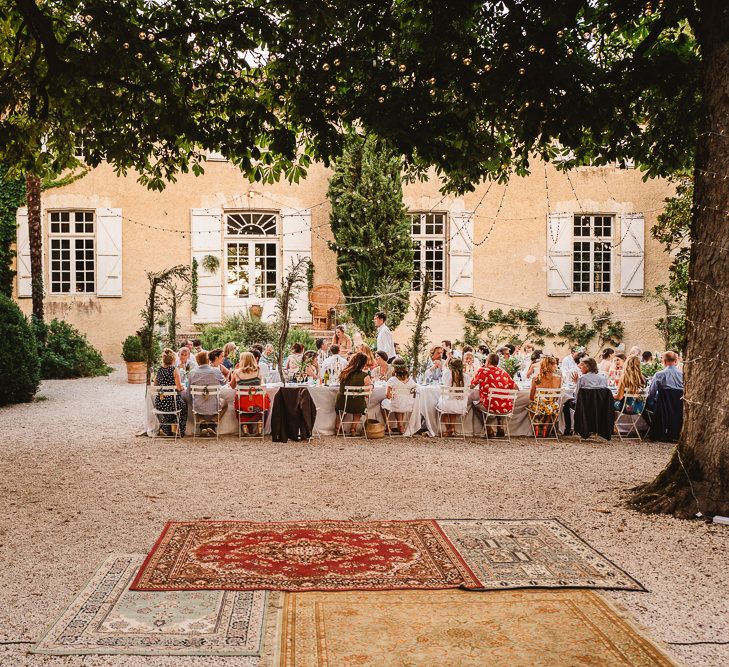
{"x":447,"y":349}
{"x":367,"y":351}
{"x":322,"y":350}
{"x":631,"y":382}
{"x":671,"y":377}
{"x":382,"y":370}
{"x":333,"y":364}
{"x":293,"y":362}
{"x":589,"y":377}
{"x":451,"y":407}
{"x":341,"y":339}
{"x":616,"y":368}
{"x":249,"y":408}
{"x":197,"y":346}
{"x":399,"y":399}
{"x":534,"y":363}
{"x":185,"y":362}
{"x":570,"y":365}
{"x":210,"y":408}
{"x":483,"y":352}
{"x":606,"y":361}
{"x":310,"y":364}
{"x":491,"y":376}
{"x":168,"y":375}
{"x":470,"y":365}
{"x":353,"y":375}
{"x":384,"y":336}
{"x":547,"y":376}
{"x":505,"y":352}
{"x":215,"y":359}
{"x":229,"y":351}
{"x":634,"y":351}
{"x":264,"y":369}
{"x":434,"y":371}
{"x":647,"y":357}
{"x":267,"y":354}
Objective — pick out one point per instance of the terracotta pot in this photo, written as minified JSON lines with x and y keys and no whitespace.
{"x":256,"y":311}
{"x":136,"y":372}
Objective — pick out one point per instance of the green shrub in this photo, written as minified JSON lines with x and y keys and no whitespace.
{"x":132,"y":349}
{"x":68,"y":354}
{"x":240,"y":329}
{"x":300,"y":336}
{"x":19,"y":368}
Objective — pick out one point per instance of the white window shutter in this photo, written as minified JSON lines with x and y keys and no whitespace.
{"x":460,"y":254}
{"x":22,"y":253}
{"x":632,"y":254}
{"x":296,"y":230}
{"x":108,"y":252}
{"x":559,"y":254}
{"x":206,"y":239}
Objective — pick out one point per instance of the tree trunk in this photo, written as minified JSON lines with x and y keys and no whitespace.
{"x":697,"y":477}
{"x":35,"y":237}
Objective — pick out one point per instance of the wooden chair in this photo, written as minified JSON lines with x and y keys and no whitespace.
{"x":324,"y":300}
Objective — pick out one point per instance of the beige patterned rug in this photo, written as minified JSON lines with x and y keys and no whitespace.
{"x":456,"y":627}
{"x":108,"y":618}
{"x":532,"y":553}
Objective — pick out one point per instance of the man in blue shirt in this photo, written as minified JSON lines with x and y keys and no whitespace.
{"x":671,"y":377}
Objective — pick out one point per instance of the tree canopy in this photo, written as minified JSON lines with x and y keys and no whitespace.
{"x":473,"y":88}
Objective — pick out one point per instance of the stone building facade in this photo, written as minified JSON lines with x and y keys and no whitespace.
{"x":559,"y":241}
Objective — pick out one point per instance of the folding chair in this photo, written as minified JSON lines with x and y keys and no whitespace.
{"x":455,"y":394}
{"x":256,"y":397}
{"x":352,"y":393}
{"x":549,"y":422}
{"x":633,"y":416}
{"x":399,"y":395}
{"x":163,"y":392}
{"x":487,"y":411}
{"x":202,"y":398}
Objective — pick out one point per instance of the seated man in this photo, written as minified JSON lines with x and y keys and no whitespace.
{"x":670,"y":377}
{"x":492,"y":376}
{"x":334,"y":364}
{"x":587,"y":377}
{"x":209,"y":408}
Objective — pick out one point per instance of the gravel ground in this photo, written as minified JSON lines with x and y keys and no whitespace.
{"x":76,"y":484}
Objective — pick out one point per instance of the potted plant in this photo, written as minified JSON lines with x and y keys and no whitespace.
{"x":133,"y":355}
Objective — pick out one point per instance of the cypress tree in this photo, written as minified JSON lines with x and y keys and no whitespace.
{"x":371,"y":230}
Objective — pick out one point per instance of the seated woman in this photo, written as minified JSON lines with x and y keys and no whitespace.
{"x":249,"y":408}
{"x":341,"y":338}
{"x":310,"y":364}
{"x":606,"y":361}
{"x":216,"y":361}
{"x":588,"y":377}
{"x":451,"y":407}
{"x":229,"y":351}
{"x":544,"y":411}
{"x":292,"y":366}
{"x":367,"y":351}
{"x":354,"y":375}
{"x":397,"y":402}
{"x":169,"y":376}
{"x":382,"y":370}
{"x":617,"y":367}
{"x":470,"y":366}
{"x":632,"y":382}
{"x":434,"y":372}
{"x":185,"y":362}
{"x":534,"y":362}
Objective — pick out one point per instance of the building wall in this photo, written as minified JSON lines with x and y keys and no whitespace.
{"x":509,"y":228}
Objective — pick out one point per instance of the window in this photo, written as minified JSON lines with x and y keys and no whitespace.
{"x":73,"y":256}
{"x":429,"y":241}
{"x":251,"y":254}
{"x":592,"y":253}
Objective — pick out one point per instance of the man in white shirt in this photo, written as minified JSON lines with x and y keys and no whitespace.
{"x":334,"y":363}
{"x":384,"y":336}
{"x":569,"y":365}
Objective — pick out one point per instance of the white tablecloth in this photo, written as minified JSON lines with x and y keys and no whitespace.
{"x":323,"y":397}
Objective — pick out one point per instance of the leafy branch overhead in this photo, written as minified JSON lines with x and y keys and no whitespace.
{"x":476,"y":89}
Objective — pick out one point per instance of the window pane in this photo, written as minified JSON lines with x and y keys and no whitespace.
{"x":251,"y":223}
{"x":237,"y":270}
{"x":265,"y":278}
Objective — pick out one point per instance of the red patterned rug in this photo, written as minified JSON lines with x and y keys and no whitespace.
{"x":303,"y":556}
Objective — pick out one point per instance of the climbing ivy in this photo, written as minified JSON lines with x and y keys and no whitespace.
{"x":12,"y":195}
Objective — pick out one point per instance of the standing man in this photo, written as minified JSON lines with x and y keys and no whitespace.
{"x":384,"y":336}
